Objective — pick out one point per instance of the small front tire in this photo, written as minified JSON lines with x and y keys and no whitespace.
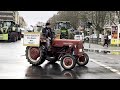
{"x":83,"y":60}
{"x":68,"y":62}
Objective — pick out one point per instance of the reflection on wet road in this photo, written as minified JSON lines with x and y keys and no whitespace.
{"x":52,"y":71}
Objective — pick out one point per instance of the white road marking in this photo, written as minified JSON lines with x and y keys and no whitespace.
{"x":105,"y":56}
{"x":105,"y":66}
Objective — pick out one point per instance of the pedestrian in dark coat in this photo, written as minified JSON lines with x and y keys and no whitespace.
{"x":106,"y":40}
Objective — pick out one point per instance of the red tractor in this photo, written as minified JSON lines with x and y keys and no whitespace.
{"x":67,"y":51}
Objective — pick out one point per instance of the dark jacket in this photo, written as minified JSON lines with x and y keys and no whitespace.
{"x":47,"y":32}
{"x":106,"y":37}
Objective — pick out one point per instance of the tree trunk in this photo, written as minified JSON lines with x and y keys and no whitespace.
{"x":98,"y":32}
{"x":98,"y":36}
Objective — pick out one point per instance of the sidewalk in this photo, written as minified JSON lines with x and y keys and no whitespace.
{"x":100,"y":48}
{"x":96,"y":46}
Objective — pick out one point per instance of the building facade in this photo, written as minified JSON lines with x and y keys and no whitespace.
{"x":22,"y":22}
{"x":9,"y":16}
{"x":12,"y":16}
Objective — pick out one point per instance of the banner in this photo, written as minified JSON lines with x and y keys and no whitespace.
{"x":115,"y":41}
{"x":114,"y":32}
{"x":114,"y":35}
{"x":31,"y":39}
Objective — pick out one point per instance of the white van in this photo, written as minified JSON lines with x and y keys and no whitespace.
{"x":79,"y":36}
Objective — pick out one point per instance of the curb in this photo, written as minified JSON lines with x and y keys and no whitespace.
{"x":107,"y":51}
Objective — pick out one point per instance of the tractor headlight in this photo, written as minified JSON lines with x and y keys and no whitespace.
{"x":80,"y":50}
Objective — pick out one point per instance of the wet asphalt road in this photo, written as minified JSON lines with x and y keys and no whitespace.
{"x":13,"y":65}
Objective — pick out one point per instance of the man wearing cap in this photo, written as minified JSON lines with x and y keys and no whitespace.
{"x":47,"y":32}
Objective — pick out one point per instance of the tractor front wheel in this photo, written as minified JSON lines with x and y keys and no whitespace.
{"x":68,"y":62}
{"x":83,"y":60}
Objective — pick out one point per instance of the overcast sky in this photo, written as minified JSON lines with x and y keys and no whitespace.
{"x":32,"y":17}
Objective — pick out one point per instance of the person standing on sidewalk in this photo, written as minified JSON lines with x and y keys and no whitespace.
{"x":106,"y":40}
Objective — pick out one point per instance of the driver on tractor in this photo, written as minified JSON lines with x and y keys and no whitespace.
{"x":47,"y":32}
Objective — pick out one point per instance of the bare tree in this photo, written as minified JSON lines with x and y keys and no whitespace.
{"x":98,"y":18}
{"x":71,"y":16}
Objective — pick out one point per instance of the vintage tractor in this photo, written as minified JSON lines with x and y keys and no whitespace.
{"x":67,"y":51}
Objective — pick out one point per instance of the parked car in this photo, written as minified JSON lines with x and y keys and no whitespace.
{"x":93,"y":37}
{"x":86,"y":38}
{"x":79,"y":36}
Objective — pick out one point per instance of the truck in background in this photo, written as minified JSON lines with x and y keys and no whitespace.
{"x":9,"y":26}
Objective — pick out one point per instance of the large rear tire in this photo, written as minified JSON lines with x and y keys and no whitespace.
{"x":19,"y":36}
{"x":13,"y":37}
{"x":68,"y":62}
{"x":83,"y":60}
{"x":35,"y":55}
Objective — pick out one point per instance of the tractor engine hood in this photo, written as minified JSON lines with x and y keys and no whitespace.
{"x":66,"y":42}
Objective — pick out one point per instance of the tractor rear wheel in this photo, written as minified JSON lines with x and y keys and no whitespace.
{"x":68,"y":62}
{"x":83,"y":60}
{"x":35,"y":55}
